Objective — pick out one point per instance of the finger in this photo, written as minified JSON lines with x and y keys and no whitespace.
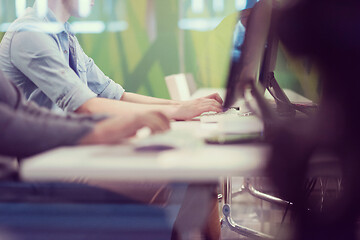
{"x":206,"y":108}
{"x":156,"y":128}
{"x":215,"y":103}
{"x":157,"y":124}
{"x":164,"y":119}
{"x":161,"y":120}
{"x":209,"y":102}
{"x":216,"y":97}
{"x":128,"y":132}
{"x":212,"y":108}
{"x":160,"y":126}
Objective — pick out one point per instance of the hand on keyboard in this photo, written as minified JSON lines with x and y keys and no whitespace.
{"x":229,"y":111}
{"x":189,"y":109}
{"x":213,"y":117}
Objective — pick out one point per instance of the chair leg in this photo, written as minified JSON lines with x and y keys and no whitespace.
{"x":266,"y":197}
{"x":244,"y":231}
{"x":246,"y":187}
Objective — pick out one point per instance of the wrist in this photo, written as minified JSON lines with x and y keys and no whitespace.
{"x":86,"y":108}
{"x":171,"y":111}
{"x":95,"y":136}
{"x":175,"y":102}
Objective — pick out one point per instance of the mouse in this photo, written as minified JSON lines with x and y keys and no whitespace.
{"x":153,"y":148}
{"x":163,"y":141}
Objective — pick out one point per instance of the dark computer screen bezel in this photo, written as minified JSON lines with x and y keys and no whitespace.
{"x":236,"y":79}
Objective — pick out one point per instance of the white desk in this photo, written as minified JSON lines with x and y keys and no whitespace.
{"x":198,"y":162}
{"x":195,"y":162}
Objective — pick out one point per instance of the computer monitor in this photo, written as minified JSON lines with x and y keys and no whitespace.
{"x":254,"y":67}
{"x":245,"y":65}
{"x":247,"y":58}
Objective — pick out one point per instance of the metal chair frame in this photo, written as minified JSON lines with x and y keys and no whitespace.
{"x":247,"y":187}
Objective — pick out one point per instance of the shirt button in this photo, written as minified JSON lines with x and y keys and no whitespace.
{"x":66,"y":52}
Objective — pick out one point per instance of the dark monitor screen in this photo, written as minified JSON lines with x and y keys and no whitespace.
{"x":248,"y":50}
{"x":253,"y":62}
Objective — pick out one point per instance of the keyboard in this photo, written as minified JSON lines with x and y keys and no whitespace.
{"x":213,"y":117}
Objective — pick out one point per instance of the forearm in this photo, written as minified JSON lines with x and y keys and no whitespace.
{"x":33,"y":109}
{"x":137,"y":98}
{"x":124,"y":108}
{"x":23,"y":134}
{"x":173,"y":110}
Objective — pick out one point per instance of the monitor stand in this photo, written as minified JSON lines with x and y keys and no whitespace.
{"x":284,"y":107}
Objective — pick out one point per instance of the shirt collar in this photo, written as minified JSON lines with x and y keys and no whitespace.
{"x":66,"y":27}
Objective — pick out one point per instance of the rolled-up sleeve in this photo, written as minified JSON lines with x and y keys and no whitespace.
{"x":48,"y":70}
{"x":112,"y":91}
{"x":99,"y":83}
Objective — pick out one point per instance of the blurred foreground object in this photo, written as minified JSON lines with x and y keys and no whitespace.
{"x":327,"y":33}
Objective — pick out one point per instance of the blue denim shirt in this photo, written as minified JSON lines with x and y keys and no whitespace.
{"x":35,"y":54}
{"x":238,"y":40}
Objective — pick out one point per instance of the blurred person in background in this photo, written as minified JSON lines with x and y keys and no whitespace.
{"x":327,"y":33}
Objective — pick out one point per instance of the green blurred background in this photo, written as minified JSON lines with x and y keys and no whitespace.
{"x":148,"y":43}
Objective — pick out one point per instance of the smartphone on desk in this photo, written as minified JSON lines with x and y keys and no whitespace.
{"x":237,"y":138}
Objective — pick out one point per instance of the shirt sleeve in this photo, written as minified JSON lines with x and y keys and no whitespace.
{"x":30,"y":130}
{"x":48,"y":70}
{"x":98,"y":82}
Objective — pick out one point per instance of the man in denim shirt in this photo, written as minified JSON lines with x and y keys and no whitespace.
{"x":45,"y":60}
